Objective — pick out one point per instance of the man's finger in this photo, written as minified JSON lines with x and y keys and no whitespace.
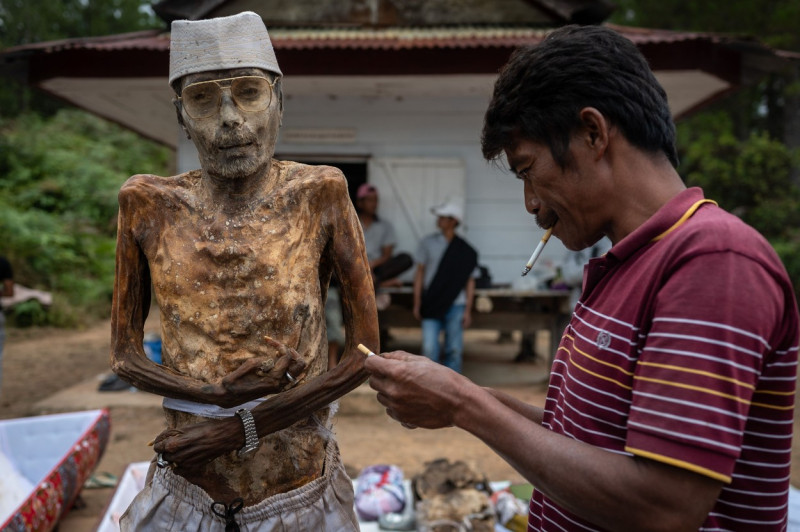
{"x":383,"y":364}
{"x":401,"y":355}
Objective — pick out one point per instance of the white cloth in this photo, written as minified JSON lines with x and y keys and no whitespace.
{"x":206,"y":410}
{"x":14,"y":488}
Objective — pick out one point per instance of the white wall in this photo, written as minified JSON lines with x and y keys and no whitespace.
{"x":416,"y":125}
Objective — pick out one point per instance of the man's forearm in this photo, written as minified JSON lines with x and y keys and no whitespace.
{"x":614,"y":491}
{"x":530,"y":412}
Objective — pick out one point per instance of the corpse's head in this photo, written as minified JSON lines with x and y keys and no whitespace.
{"x":228,"y":94}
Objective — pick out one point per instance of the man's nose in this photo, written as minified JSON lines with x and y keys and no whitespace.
{"x":532,"y":203}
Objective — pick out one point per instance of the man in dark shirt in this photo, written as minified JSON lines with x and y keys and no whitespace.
{"x":7,"y":290}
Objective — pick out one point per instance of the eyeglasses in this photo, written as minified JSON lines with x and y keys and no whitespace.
{"x":249,"y":93}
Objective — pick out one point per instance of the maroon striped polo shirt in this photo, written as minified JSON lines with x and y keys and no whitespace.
{"x":683,"y":350}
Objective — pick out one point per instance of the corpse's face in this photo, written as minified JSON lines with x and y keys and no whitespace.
{"x":232,"y":143}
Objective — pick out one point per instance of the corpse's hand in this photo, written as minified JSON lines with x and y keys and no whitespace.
{"x":415,"y":390}
{"x":261,"y":376}
{"x":196,"y":445}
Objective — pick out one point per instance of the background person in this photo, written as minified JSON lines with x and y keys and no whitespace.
{"x":379,"y":238}
{"x":444,"y":287}
{"x":671,"y":398}
{"x":7,"y":290}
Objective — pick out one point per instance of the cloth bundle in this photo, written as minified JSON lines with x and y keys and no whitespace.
{"x":379,"y":490}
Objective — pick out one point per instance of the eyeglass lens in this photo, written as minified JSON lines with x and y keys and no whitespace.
{"x":249,"y":93}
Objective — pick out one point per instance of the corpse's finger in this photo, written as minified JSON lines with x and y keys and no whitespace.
{"x":297,"y":367}
{"x":282,"y":348}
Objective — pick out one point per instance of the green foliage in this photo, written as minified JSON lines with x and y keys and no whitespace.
{"x":752,"y":178}
{"x":58,"y":206}
{"x":24,"y":21}
{"x":789,"y":252}
{"x":774,"y":23}
{"x":28,"y":314}
{"x":731,"y":149}
{"x":32,"y":21}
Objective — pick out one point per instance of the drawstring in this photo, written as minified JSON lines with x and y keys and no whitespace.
{"x":228,"y":513}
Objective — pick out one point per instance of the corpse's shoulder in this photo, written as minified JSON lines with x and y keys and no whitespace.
{"x":150,"y":188}
{"x":315,"y":176}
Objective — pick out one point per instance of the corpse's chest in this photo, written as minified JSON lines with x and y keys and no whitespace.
{"x":251,"y":255}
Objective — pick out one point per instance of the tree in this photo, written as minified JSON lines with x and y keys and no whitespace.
{"x":61,"y":168}
{"x":745,"y":150}
{"x":26,"y":22}
{"x":773,"y":104}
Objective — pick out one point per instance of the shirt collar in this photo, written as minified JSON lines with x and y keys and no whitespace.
{"x":662,"y":220}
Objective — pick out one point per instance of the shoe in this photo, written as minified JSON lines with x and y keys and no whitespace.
{"x":113,"y":383}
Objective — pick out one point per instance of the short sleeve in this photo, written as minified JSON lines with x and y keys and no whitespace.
{"x":697,"y":375}
{"x":389,"y":237}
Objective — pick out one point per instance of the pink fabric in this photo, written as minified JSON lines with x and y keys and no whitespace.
{"x":364,"y":190}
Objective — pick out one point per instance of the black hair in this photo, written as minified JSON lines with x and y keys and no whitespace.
{"x":543,"y":87}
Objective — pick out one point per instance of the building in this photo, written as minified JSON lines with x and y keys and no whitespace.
{"x":391,"y":91}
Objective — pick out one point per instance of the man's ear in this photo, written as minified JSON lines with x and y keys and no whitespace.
{"x":177,"y":105}
{"x":595,"y":130}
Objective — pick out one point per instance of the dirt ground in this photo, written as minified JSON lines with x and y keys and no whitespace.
{"x":37,"y":363}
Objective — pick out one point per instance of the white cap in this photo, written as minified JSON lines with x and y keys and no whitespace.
{"x":452,"y":208}
{"x":238,"y":41}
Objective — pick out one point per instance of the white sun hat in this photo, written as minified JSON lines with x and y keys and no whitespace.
{"x":453,"y":208}
{"x":237,"y":41}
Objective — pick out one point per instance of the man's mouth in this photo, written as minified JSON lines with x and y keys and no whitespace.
{"x":546,"y":220}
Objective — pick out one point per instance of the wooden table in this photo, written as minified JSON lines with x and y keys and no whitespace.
{"x":499,"y":309}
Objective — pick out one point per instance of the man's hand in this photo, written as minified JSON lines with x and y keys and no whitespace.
{"x":260,"y":376}
{"x":196,"y":445}
{"x":415,"y":390}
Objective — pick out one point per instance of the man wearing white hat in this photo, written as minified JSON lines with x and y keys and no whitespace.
{"x":239,"y":254}
{"x":444,"y":286}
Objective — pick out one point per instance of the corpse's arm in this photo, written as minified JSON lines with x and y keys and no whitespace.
{"x":360,"y":315}
{"x":130,"y":306}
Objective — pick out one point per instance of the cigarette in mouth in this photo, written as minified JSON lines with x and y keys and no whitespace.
{"x":364,"y":349}
{"x":537,"y":251}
